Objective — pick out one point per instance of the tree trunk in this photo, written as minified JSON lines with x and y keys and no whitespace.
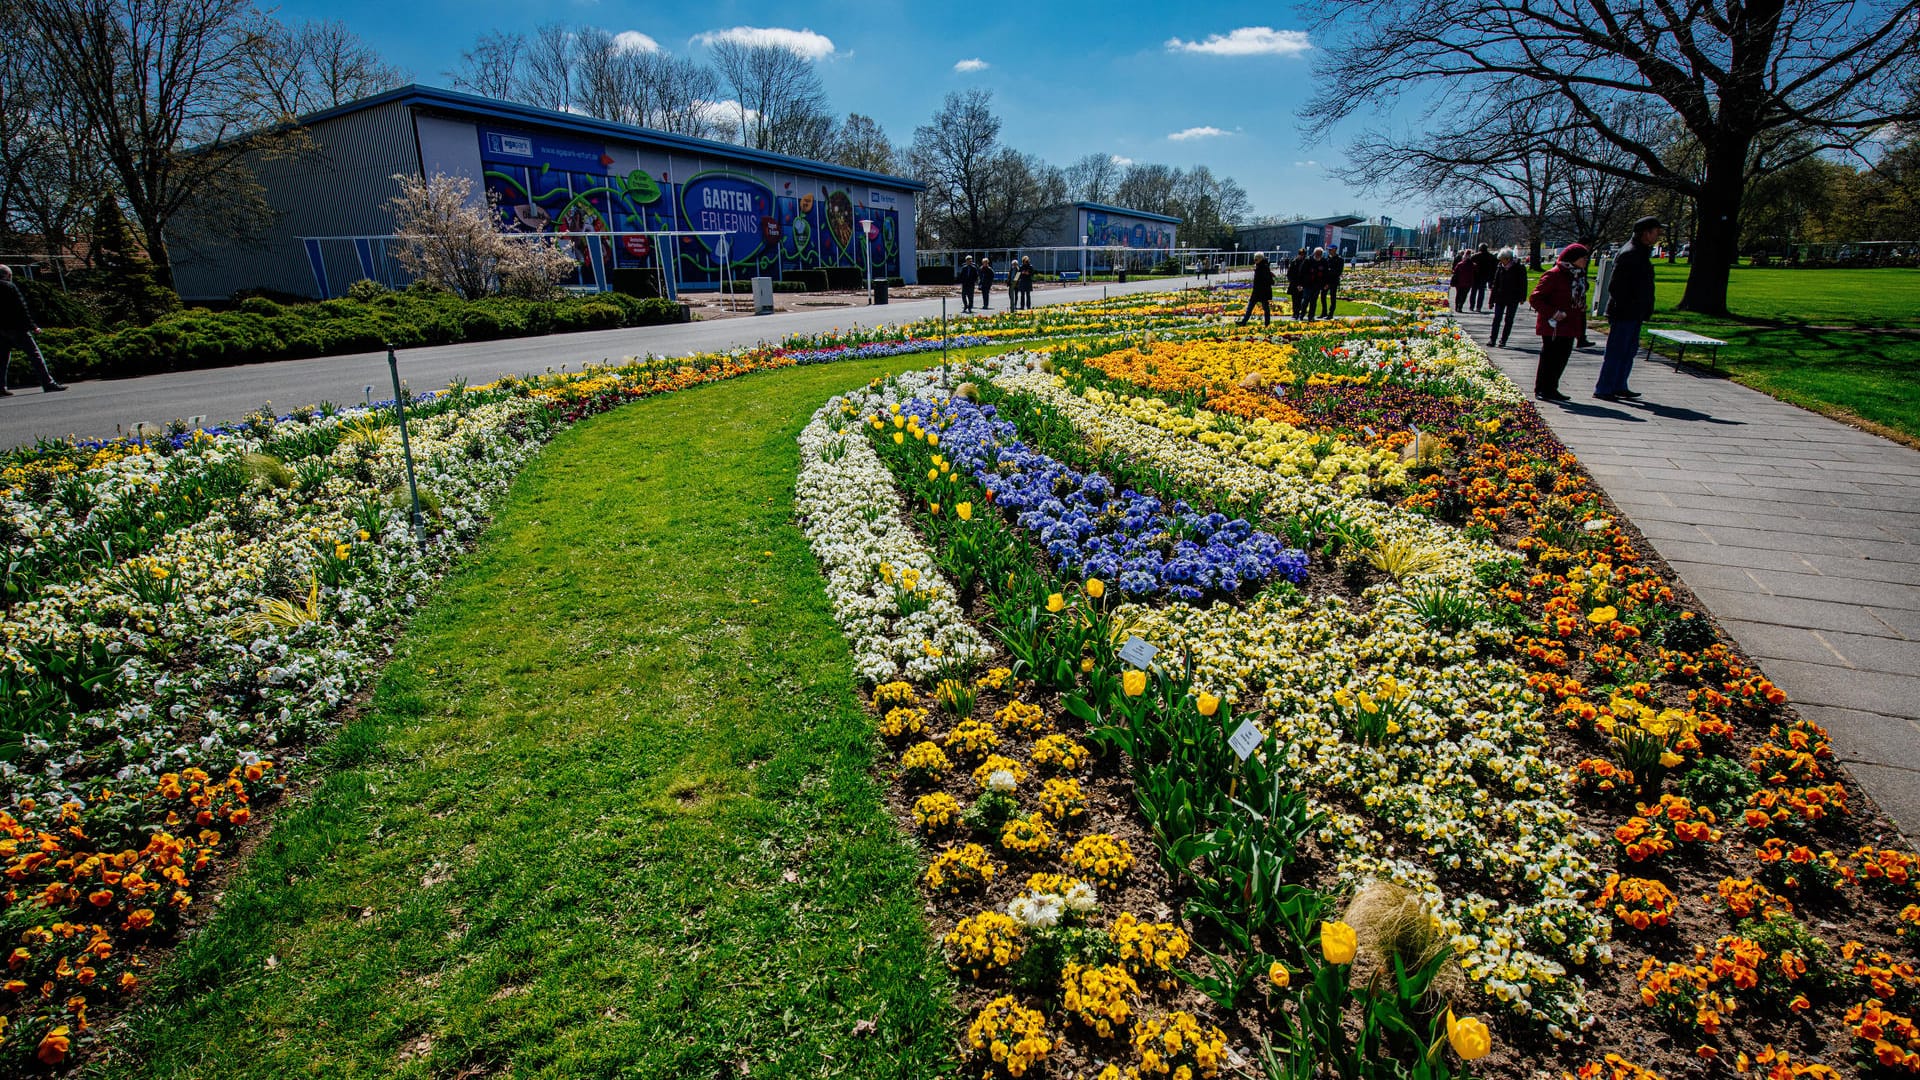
{"x":1716,"y":232}
{"x":157,"y":254}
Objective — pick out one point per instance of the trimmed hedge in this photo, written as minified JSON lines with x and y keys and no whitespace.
{"x":260,"y":329}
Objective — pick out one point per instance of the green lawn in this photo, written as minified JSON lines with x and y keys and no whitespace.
{"x":610,"y":813}
{"x":1774,"y":344}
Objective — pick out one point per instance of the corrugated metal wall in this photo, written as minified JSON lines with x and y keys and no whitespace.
{"x":339,"y":188}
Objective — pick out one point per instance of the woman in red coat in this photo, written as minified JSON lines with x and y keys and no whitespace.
{"x":1462,"y":281}
{"x":1560,"y":301}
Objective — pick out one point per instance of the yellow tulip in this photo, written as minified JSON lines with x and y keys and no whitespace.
{"x":933,"y":474}
{"x":965,"y":510}
{"x":1055,"y":603}
{"x":1338,"y":942}
{"x":1134,"y":682}
{"x":1096,"y":588}
{"x":1086,"y":664}
{"x":1210,"y":704}
{"x":933,"y":439}
{"x":1469,"y":1038}
{"x":1277,"y":975}
{"x":898,"y":420}
{"x":934,"y":509}
{"x":898,"y":438}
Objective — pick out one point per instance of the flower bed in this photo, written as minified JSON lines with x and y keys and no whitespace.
{"x":183,"y":618}
{"x":1493,"y":705}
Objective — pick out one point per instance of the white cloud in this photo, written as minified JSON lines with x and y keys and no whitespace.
{"x":1306,"y":164}
{"x":1205,"y":132}
{"x":975,"y":64}
{"x":725,"y":114}
{"x":633,"y":41}
{"x":1123,"y":162}
{"x":805,"y":42}
{"x":1247,"y":41}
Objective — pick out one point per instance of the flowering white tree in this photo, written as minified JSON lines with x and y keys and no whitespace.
{"x":455,"y":241}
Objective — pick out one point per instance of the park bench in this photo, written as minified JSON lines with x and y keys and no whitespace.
{"x":1686,"y":339}
{"x":1069,"y":275}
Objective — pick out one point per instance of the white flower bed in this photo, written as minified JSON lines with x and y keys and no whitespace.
{"x":849,"y":512}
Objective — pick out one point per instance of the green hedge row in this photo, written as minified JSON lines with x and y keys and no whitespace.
{"x":260,"y":329}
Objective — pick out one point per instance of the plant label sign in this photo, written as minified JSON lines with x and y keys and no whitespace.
{"x":1246,"y":739}
{"x":1137,"y":652}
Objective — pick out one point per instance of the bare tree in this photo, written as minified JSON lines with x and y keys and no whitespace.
{"x":166,"y":87}
{"x":549,"y":66}
{"x":1734,"y":74}
{"x":1093,"y":178}
{"x":494,"y":67}
{"x":954,"y":156}
{"x":317,"y":65}
{"x":779,"y":96}
{"x":863,"y":145}
{"x":1148,"y":187}
{"x":678,"y":94}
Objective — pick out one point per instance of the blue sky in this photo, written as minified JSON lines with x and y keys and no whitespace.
{"x":1219,"y":84}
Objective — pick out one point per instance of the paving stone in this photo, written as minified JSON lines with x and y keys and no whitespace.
{"x":1898,"y":573}
{"x":1895,"y":791}
{"x":1850,"y":590}
{"x":1830,"y":684}
{"x":1678,"y":551}
{"x":1752,"y":605}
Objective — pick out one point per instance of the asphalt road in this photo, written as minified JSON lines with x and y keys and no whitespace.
{"x":103,"y":408}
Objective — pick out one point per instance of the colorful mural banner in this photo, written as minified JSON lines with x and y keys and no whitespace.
{"x":1114,"y":231}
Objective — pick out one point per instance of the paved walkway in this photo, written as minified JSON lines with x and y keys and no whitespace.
{"x":1801,"y":535}
{"x":107,"y":407}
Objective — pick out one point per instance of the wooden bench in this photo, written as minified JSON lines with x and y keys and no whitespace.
{"x":1686,"y":339}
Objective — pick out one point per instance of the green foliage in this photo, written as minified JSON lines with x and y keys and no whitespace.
{"x":127,"y":289}
{"x":1720,"y":784}
{"x":261,"y":329}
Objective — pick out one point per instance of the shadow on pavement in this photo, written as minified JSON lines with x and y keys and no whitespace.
{"x":1598,"y":412}
{"x":1675,"y":412}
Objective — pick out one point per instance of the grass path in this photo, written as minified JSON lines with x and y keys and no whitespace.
{"x":610,"y":813}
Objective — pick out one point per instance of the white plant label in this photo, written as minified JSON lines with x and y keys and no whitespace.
{"x":1137,"y":652}
{"x":1246,"y":739}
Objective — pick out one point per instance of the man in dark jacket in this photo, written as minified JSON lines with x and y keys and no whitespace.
{"x":969,"y":274}
{"x":16,"y":332}
{"x":1507,"y":293}
{"x":1484,"y":264}
{"x":1629,"y":304}
{"x":1262,"y":291}
{"x":1330,"y":290}
{"x":1297,"y":279}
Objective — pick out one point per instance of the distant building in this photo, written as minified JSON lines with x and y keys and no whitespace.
{"x":609,"y":189}
{"x":1097,"y":225}
{"x":1291,"y":236}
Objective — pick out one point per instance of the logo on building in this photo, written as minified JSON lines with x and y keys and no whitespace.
{"x":510,"y":145}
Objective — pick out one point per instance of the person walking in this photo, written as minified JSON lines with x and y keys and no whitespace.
{"x":1330,"y":294}
{"x":1297,"y":270}
{"x":1559,"y":299}
{"x":1315,"y":280}
{"x":17,"y":328}
{"x":986,"y":283}
{"x":1629,"y":306}
{"x":1026,"y":283}
{"x":1262,"y":292}
{"x":1462,"y":282}
{"x":969,"y":274}
{"x":1484,"y":264}
{"x":1508,"y":290}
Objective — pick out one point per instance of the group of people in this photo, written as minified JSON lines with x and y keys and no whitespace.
{"x":1313,"y":283}
{"x":1559,"y":301}
{"x":981,"y":275}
